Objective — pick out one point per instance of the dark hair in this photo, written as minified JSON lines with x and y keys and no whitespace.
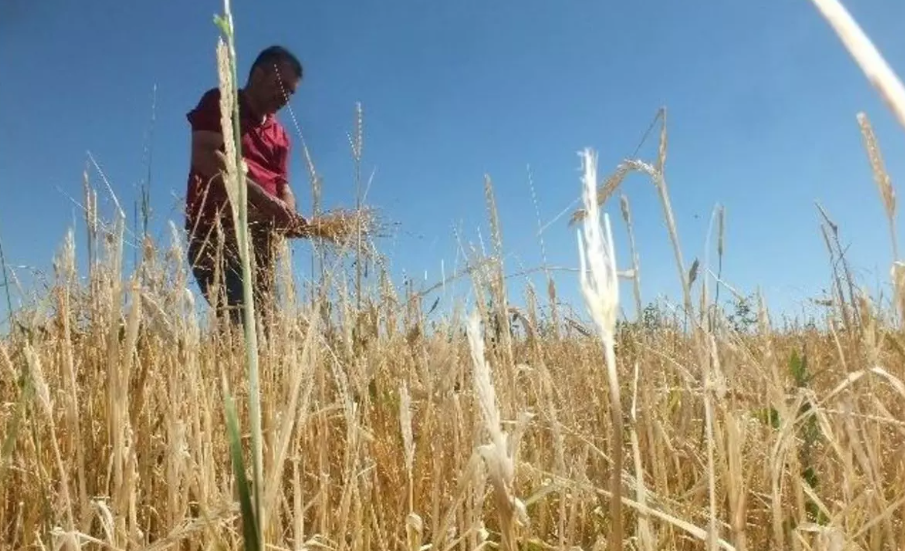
{"x":275,"y":54}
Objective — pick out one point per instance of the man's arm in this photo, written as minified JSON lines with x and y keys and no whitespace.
{"x":284,"y":191}
{"x":288,"y":197}
{"x":207,"y":159}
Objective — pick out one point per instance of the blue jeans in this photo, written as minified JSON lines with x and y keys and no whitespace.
{"x":231,"y":297}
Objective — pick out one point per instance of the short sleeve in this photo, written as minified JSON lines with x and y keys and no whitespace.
{"x":206,"y":115}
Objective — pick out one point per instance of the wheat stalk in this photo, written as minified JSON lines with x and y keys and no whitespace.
{"x":600,"y":287}
{"x":881,"y":178}
{"x":862,"y":49}
{"x":499,"y":454}
{"x":234,"y":179}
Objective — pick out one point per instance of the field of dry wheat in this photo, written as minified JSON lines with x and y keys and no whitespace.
{"x":493,"y":427}
{"x":496,"y":427}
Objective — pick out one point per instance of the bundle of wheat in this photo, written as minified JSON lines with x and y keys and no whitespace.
{"x":342,"y":226}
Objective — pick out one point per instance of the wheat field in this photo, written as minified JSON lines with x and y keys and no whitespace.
{"x":493,"y":427}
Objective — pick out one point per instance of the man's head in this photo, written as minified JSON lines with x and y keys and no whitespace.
{"x":273,"y":79}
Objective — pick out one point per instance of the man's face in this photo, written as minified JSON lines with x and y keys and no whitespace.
{"x":275,"y":86}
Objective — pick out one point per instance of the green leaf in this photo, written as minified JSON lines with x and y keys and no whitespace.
{"x":533,"y":545}
{"x":223,"y":24}
{"x":810,"y":476}
{"x":249,"y":522}
{"x":768,"y":416}
{"x":798,"y":367}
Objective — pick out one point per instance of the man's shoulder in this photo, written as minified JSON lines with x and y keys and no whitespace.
{"x":208,"y":105}
{"x":211,"y":96}
{"x":205,"y":116}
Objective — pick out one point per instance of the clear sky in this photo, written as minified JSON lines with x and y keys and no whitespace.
{"x":762,"y":100}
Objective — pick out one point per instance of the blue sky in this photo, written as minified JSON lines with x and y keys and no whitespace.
{"x":762,"y":100}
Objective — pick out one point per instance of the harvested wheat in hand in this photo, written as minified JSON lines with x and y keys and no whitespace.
{"x":341,"y":226}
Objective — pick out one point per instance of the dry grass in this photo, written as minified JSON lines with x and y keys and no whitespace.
{"x":383,"y":429}
{"x":340,"y":227}
{"x":381,"y":432}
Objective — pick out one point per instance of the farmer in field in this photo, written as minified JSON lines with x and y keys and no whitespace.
{"x":272,"y":80}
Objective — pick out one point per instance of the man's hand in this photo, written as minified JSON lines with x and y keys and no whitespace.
{"x":300,"y":227}
{"x":263,"y":207}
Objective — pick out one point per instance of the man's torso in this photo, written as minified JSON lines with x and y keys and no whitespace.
{"x":265,"y":148}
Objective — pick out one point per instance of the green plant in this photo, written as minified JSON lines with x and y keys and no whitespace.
{"x":808,"y":433}
{"x":234,"y":179}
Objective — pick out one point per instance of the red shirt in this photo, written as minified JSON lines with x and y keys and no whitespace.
{"x":265,"y":148}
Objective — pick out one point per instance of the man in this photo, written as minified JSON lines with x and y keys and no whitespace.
{"x":273,"y":79}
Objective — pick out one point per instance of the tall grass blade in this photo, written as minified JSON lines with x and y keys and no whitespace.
{"x":235,"y":181}
{"x":862,"y":49}
{"x":250,"y":526}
